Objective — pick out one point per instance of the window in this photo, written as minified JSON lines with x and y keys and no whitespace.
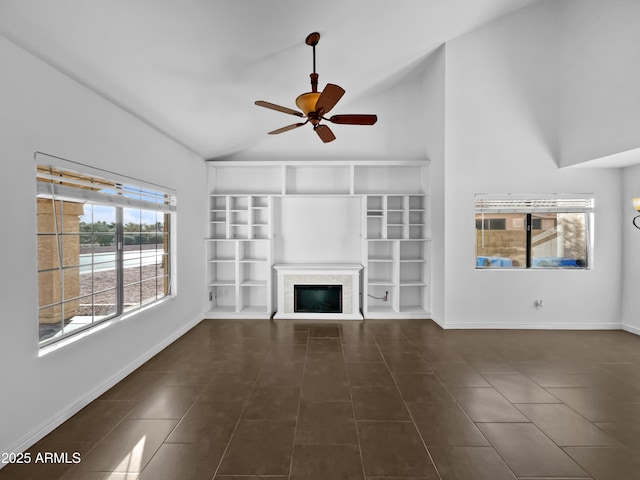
{"x":491,"y":223}
{"x":547,"y":231}
{"x":103,"y":246}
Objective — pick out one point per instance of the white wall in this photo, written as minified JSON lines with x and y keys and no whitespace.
{"x":630,"y":251}
{"x":433,"y":135}
{"x":599,"y":76}
{"x":43,"y":110}
{"x":318,"y":230}
{"x":500,"y":117}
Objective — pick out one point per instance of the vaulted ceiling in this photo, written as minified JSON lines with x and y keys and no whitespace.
{"x":193,"y":68}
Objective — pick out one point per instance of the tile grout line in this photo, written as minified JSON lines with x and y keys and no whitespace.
{"x":435,"y":467}
{"x":295,"y":430}
{"x":235,"y":428}
{"x":529,"y":422}
{"x":475,"y":423}
{"x":353,"y":410}
{"x":560,"y":402}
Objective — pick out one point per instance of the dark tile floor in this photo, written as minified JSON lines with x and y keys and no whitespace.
{"x":374,"y":400}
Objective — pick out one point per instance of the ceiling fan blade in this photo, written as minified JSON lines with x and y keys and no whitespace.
{"x":286,"y":129}
{"x":354,"y":119}
{"x":273,"y":106}
{"x":329,"y":97}
{"x":325,"y":133}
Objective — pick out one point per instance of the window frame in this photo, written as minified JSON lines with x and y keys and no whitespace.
{"x":530,"y":206}
{"x":66,"y":182}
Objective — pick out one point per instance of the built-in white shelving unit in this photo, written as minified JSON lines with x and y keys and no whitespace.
{"x":239,"y":255}
{"x":396,"y":255}
{"x":244,"y":219}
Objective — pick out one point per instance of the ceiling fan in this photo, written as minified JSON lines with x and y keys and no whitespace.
{"x":315,"y":105}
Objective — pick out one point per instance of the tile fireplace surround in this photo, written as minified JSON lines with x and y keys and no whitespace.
{"x":345,"y":274}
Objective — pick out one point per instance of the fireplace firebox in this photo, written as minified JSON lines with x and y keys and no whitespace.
{"x":317,"y":298}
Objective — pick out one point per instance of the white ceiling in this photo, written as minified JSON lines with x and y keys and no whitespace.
{"x":193,"y":68}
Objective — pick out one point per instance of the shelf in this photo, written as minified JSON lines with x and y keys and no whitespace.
{"x":222,"y":309}
{"x":222,"y":283}
{"x":235,"y":178}
{"x":389,"y":179}
{"x":253,"y":283}
{"x":380,"y":309}
{"x":380,"y":282}
{"x":238,"y":217}
{"x":238,"y":202}
{"x":414,"y":309}
{"x":254,"y":309}
{"x":381,"y":259}
{"x":317,"y":179}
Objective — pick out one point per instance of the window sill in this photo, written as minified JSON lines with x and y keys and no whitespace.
{"x":63,"y":342}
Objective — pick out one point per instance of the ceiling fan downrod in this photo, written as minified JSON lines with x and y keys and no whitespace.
{"x":312,"y":40}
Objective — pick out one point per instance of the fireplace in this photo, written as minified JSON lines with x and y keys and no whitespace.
{"x":317,"y":298}
{"x":318,"y":291}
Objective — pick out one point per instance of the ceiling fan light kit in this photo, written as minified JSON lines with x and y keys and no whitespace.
{"x":307,"y":102}
{"x":315,"y":105}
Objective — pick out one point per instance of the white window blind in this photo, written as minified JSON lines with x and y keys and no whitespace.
{"x":522,"y":203}
{"x":56,"y":178}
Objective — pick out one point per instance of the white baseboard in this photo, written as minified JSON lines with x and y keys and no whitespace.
{"x":533,"y":326}
{"x":438,"y":321}
{"x":631,"y":329}
{"x":58,"y":419}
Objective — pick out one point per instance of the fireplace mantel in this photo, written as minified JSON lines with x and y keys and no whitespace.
{"x":345,"y":274}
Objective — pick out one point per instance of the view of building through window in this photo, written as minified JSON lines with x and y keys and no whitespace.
{"x":504,"y":247}
{"x":535,"y":237}
{"x":98,"y":257}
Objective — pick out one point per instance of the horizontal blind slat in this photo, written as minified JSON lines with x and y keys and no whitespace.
{"x":569,"y":203}
{"x":71,"y":185}
{"x":63,"y":192}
